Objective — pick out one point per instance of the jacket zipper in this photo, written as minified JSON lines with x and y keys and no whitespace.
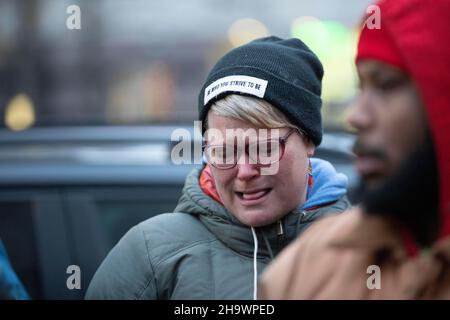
{"x":280,"y":231}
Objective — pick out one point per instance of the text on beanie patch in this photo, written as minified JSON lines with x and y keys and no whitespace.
{"x":237,"y":83}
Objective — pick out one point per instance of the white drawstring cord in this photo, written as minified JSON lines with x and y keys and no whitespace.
{"x":255,"y":268}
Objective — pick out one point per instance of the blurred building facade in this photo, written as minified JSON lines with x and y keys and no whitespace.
{"x":139,"y":62}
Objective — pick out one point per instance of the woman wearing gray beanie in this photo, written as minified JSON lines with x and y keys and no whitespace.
{"x":257,"y":190}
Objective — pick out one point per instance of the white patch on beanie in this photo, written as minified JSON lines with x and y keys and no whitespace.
{"x":238,"y":83}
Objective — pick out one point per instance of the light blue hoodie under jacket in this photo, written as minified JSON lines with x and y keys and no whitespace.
{"x":201,"y":251}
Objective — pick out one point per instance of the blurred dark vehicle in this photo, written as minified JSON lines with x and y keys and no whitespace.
{"x":68,"y":194}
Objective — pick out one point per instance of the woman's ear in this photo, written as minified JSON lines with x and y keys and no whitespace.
{"x":310,"y":148}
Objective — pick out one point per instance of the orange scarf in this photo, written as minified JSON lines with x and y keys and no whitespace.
{"x":207,"y":184}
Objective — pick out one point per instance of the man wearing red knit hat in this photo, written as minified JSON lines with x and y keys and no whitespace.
{"x":396,"y":244}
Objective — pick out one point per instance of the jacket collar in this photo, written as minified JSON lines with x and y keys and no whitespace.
{"x":219,"y":221}
{"x":361,"y":231}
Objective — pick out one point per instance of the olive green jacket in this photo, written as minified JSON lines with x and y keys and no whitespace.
{"x":200,"y":251}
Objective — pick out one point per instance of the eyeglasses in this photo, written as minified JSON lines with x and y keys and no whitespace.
{"x":262,"y":153}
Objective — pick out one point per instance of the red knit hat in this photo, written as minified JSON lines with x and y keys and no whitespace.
{"x":377,"y":44}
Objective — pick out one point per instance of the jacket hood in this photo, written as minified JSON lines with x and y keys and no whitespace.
{"x":419,"y":30}
{"x":327,"y":196}
{"x":328,"y":185}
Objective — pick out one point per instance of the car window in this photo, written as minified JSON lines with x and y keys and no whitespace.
{"x":112,"y":211}
{"x":118,"y":216}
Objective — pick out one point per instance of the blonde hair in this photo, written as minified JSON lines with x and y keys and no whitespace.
{"x":254,"y":110}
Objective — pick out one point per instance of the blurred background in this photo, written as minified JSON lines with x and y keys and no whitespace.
{"x":87,"y":115}
{"x":138,"y":61}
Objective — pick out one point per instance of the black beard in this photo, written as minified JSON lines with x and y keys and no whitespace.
{"x":411,"y":196}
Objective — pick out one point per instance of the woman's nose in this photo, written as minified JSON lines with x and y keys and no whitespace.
{"x":247,"y":171}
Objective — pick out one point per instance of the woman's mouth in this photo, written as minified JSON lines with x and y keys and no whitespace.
{"x":253,"y":197}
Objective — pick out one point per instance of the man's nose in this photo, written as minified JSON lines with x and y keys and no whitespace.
{"x":360,"y":116}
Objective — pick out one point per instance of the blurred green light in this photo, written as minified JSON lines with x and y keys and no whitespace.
{"x":334,"y":44}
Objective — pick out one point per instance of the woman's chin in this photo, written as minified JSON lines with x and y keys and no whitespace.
{"x":256,"y":218}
